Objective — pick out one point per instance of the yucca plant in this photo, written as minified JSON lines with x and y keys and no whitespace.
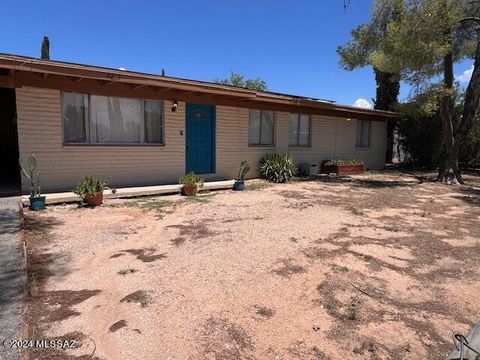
{"x":278,"y":168}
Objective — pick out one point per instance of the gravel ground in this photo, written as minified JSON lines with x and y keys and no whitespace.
{"x":368,"y":267}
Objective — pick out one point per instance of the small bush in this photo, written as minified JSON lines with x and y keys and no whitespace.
{"x":90,"y":185}
{"x":340,"y":162}
{"x":351,"y":313}
{"x":278,"y":168}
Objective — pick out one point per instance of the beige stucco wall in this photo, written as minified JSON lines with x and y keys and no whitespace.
{"x":62,"y":166}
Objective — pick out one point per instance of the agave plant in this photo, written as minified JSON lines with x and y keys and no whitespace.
{"x":278,"y":168}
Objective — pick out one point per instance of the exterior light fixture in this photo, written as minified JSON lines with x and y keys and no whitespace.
{"x":348,"y":119}
{"x":175,"y":106}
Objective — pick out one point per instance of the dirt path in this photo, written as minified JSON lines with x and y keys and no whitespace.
{"x":362,"y":268}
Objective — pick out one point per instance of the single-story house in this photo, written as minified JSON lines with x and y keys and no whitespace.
{"x":141,"y":129}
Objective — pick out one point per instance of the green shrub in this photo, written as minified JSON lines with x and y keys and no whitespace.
{"x":191,"y":179}
{"x":278,"y":168}
{"x":340,"y":162}
{"x":90,"y":185}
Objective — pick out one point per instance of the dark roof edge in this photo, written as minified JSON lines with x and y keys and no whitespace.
{"x":40,"y":65}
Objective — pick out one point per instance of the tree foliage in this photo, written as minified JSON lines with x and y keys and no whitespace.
{"x":240,"y":81}
{"x":45,"y":49}
{"x":366,"y":39}
{"x":421,"y":42}
{"x":419,"y":38}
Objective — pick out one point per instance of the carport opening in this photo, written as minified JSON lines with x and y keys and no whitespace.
{"x":10,"y":178}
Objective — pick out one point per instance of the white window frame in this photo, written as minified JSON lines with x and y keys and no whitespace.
{"x":260,"y":128}
{"x":361,"y":145}
{"x":89,"y":142}
{"x":297,"y":144}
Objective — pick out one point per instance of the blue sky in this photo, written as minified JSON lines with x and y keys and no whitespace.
{"x":290,"y":44}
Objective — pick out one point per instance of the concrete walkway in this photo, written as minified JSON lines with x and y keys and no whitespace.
{"x":65,"y":197}
{"x":12,"y":275}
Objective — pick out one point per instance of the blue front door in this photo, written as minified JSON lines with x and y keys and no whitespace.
{"x":200,"y":139}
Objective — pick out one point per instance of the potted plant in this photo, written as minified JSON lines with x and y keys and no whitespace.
{"x":28,"y":168}
{"x":191,"y":182}
{"x":240,"y":180}
{"x":342,"y":167}
{"x":90,"y":189}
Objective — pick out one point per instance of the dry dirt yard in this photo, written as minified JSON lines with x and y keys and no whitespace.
{"x":382,"y":266}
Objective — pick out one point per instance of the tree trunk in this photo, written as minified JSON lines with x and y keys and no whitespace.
{"x":471,"y":101}
{"x":386,"y":97}
{"x":449,"y":171}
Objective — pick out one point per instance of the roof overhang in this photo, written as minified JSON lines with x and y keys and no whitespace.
{"x":17,"y":71}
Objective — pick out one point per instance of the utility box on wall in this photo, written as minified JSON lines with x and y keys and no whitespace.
{"x":308,"y":169}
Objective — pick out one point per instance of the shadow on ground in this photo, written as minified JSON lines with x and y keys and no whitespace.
{"x":9,"y":221}
{"x":365,"y":183}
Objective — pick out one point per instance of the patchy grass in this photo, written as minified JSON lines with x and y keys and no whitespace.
{"x":368,"y":257}
{"x":330,"y":305}
{"x":201,"y":197}
{"x":146,"y":254}
{"x":159,"y":206}
{"x":257,"y":185}
{"x":264,"y":311}
{"x":351,"y":313}
{"x":288,"y":268}
{"x":127,"y":271}
{"x":139,"y":297}
{"x":355,"y":210}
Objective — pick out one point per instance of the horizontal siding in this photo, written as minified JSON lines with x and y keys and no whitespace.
{"x":232,"y":142}
{"x":334,"y":138}
{"x":62,"y":166}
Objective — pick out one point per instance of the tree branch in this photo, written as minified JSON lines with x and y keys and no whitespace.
{"x":470,"y":18}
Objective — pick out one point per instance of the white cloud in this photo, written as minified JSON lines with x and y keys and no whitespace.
{"x":465,"y":76}
{"x":362,"y":103}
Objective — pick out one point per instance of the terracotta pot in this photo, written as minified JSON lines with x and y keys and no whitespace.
{"x":94,"y":200}
{"x":189,"y":189}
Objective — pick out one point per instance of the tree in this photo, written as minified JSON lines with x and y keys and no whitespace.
{"x":45,"y":50}
{"x":422,"y":44}
{"x":239,"y":81}
{"x":366,"y":39}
